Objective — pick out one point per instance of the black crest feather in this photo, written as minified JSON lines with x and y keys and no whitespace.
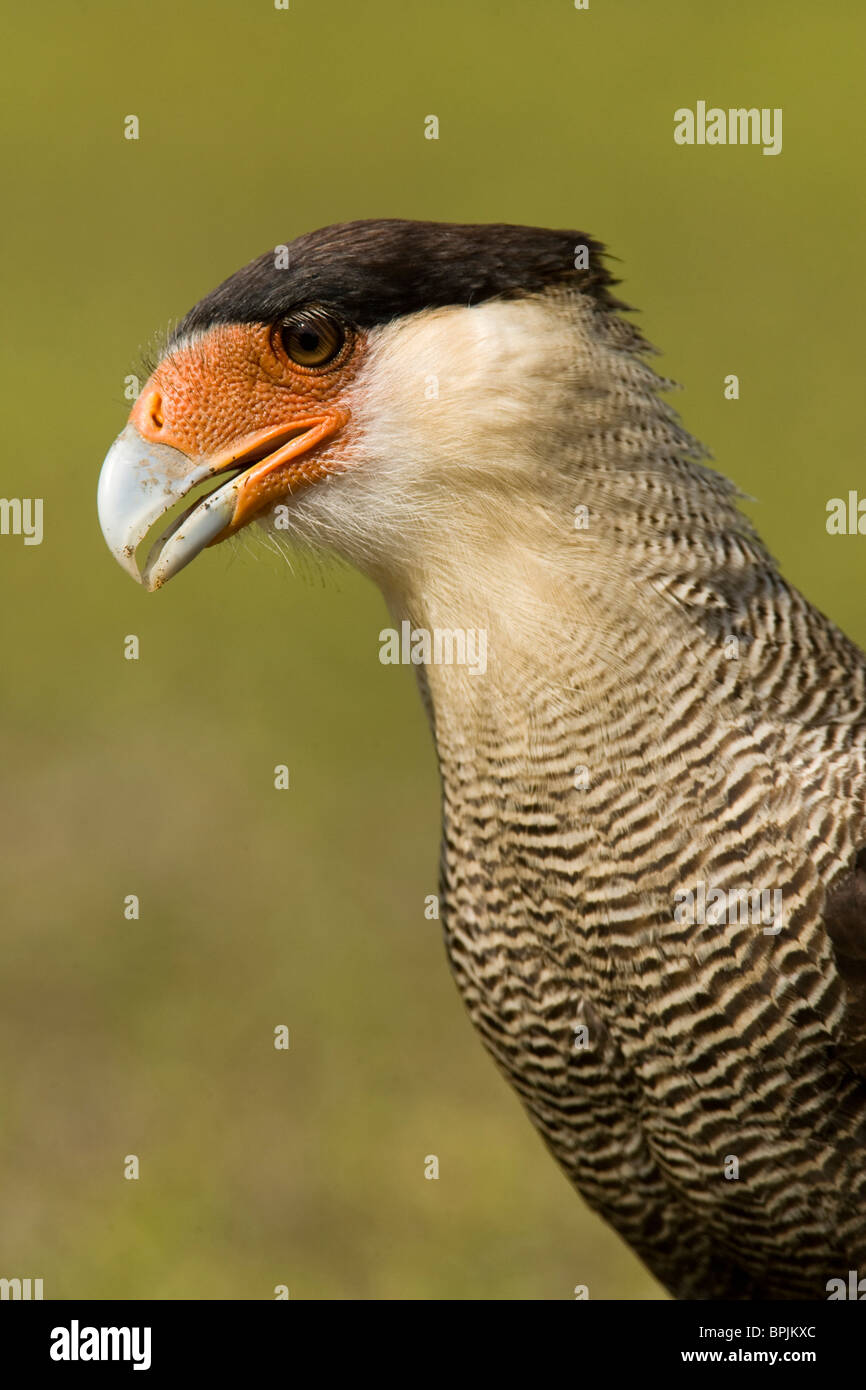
{"x":376,"y":271}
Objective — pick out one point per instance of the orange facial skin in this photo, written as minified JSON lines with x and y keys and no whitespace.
{"x":235,"y":399}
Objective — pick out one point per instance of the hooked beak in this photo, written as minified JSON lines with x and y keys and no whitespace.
{"x":140,"y":481}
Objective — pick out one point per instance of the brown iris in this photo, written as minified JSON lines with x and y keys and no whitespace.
{"x":312,"y":337}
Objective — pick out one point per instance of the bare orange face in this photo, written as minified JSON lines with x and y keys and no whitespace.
{"x":266,"y":404}
{"x":238,"y":397}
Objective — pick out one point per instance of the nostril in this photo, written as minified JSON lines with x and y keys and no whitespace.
{"x":154,"y":410}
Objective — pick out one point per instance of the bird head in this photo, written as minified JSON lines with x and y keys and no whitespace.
{"x":364,"y":388}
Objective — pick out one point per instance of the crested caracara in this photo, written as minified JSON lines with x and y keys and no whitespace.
{"x":654,"y":794}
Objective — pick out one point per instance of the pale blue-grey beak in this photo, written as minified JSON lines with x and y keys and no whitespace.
{"x":138,"y":484}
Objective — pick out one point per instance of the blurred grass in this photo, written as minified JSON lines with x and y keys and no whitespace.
{"x":156,"y":777}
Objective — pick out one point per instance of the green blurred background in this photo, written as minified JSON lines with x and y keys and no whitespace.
{"x":155,"y":777}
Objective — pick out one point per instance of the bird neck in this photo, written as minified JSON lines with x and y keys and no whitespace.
{"x":531,"y":647}
{"x":570,"y":511}
{"x":536,"y":615}
{"x":570,"y":542}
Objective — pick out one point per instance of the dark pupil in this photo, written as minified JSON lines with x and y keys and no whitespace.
{"x":308,"y":340}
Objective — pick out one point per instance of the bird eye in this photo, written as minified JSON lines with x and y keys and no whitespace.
{"x":311,"y":337}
